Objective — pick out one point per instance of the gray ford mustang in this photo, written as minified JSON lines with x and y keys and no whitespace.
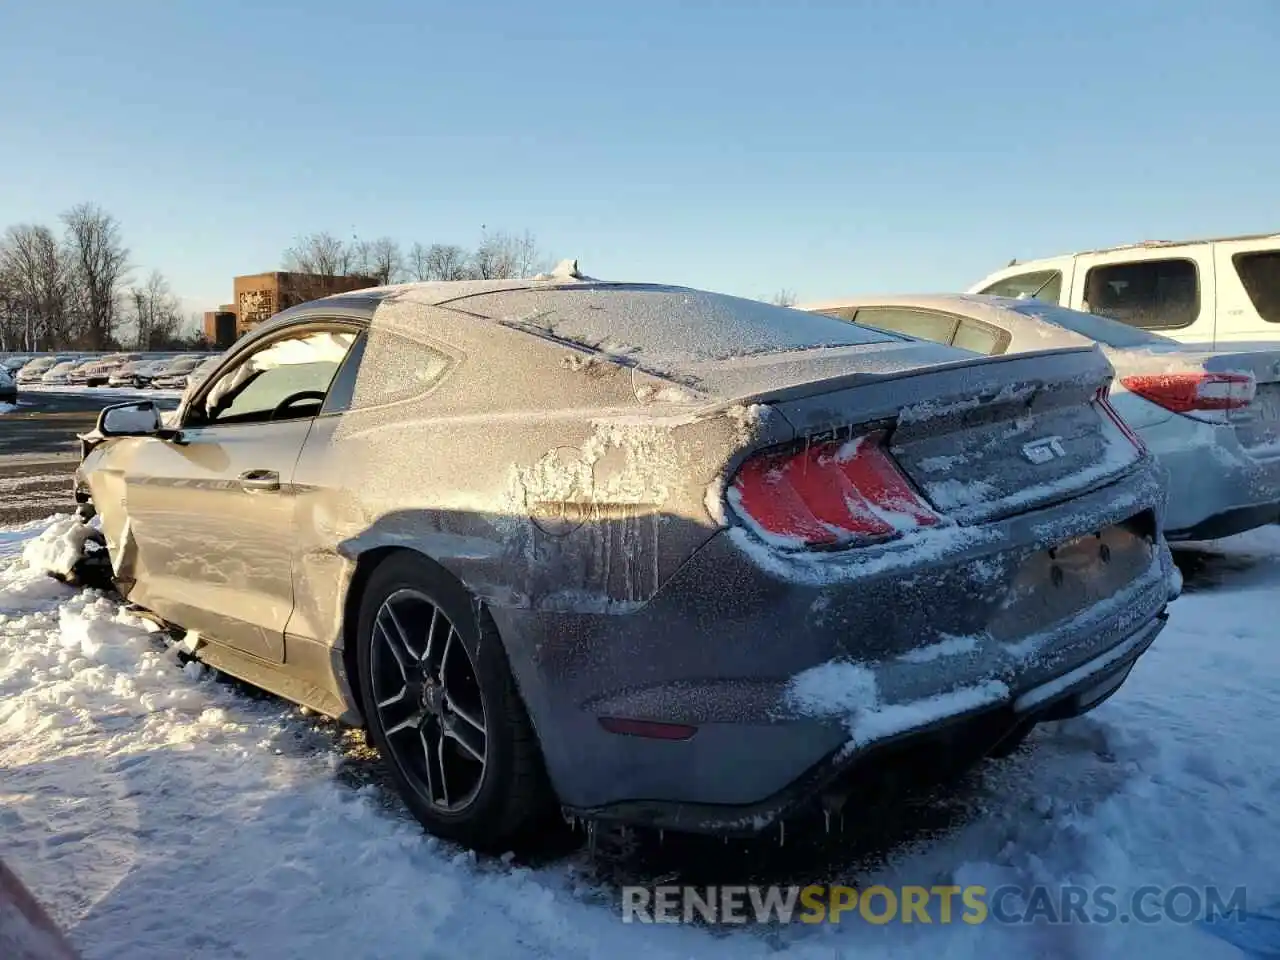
{"x":642,"y":553}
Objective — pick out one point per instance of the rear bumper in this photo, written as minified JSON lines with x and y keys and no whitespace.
{"x":1216,"y":488}
{"x":964,"y":734}
{"x":961,"y":631}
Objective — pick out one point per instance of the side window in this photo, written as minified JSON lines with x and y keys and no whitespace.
{"x":1041,"y":285}
{"x":924,"y":324}
{"x":344,"y":384}
{"x":1152,"y":294}
{"x":287,"y":379}
{"x":1260,"y":274}
{"x":981,"y":338}
{"x":397,"y":368}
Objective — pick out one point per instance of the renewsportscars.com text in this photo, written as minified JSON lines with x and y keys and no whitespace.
{"x":940,"y":904}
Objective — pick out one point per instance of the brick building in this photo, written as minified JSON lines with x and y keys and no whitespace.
{"x":260,"y":296}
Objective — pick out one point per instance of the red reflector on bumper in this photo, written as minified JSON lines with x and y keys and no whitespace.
{"x":648,"y":728}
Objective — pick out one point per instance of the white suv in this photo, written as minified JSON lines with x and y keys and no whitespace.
{"x":1206,"y":292}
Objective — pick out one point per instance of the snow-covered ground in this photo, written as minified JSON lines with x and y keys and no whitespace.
{"x":160,"y":813}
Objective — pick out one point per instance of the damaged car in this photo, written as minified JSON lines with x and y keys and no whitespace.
{"x":638,"y":553}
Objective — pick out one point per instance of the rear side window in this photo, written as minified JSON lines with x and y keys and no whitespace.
{"x":924,"y":324}
{"x":1260,"y":274}
{"x":1041,"y":285}
{"x":392,"y":367}
{"x":657,"y":326}
{"x":980,"y":338}
{"x":1152,"y":294}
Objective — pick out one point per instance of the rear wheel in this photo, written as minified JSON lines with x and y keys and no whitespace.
{"x":442,"y":708}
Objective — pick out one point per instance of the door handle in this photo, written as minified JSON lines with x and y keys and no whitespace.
{"x":260,"y":480}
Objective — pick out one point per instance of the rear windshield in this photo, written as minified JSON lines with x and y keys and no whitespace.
{"x":1112,"y":333}
{"x":660,"y":325}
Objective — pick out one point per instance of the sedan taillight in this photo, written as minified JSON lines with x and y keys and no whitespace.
{"x":839,"y":493}
{"x":1194,"y":391}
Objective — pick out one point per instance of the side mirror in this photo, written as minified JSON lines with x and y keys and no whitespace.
{"x":139,"y":419}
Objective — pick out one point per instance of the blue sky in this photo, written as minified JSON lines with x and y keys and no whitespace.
{"x":828,"y":148}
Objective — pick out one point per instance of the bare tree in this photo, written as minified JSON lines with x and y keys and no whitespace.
{"x":415,"y":261}
{"x":504,"y":256}
{"x":784,"y":298}
{"x":100,"y":262}
{"x":380,"y":259}
{"x":321,"y":253}
{"x":38,"y":285}
{"x":440,"y":261}
{"x":525,"y":255}
{"x":11,"y":314}
{"x":156,"y":313}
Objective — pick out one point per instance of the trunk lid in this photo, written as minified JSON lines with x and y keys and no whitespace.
{"x":1256,"y":426}
{"x":982,"y":438}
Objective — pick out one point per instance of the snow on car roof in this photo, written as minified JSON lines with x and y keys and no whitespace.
{"x":437,"y":292}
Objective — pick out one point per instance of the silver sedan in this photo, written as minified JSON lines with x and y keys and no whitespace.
{"x":1212,"y":418}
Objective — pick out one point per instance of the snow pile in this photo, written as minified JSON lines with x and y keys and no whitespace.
{"x":58,"y":547}
{"x":833,"y":689}
{"x":848,"y":691}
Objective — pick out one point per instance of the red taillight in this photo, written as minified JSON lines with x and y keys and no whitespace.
{"x":829,"y":494}
{"x":1103,"y":399}
{"x":1195,"y":390}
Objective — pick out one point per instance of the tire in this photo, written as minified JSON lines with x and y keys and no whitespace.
{"x":485,"y":804}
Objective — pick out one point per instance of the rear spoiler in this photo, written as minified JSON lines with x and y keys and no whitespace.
{"x":1096,"y":359}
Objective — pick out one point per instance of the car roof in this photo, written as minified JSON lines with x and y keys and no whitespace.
{"x":437,"y":293}
{"x":1141,"y":245}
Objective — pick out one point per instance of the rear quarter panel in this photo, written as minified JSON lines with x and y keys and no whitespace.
{"x":532,"y":473}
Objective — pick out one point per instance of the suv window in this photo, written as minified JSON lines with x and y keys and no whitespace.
{"x":253,"y":390}
{"x":1260,"y":274}
{"x":912,"y":321}
{"x":1152,"y":294}
{"x":1041,"y":285}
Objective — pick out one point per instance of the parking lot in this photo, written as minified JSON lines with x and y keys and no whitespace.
{"x":39,"y":451}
